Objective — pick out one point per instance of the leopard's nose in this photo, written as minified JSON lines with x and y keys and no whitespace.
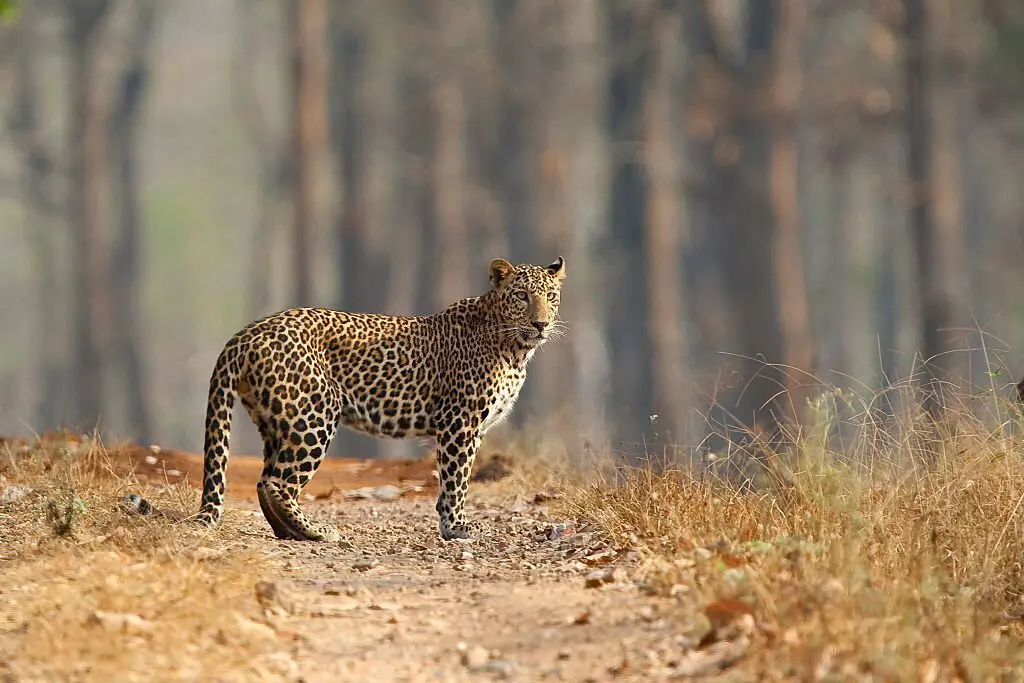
{"x":540,"y":325}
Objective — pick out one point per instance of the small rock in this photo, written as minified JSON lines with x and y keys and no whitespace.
{"x":474,"y":657}
{"x":121,"y":622}
{"x":385,"y":607}
{"x":365,"y":564}
{"x":13,"y":493}
{"x":558,"y":531}
{"x":582,"y":618}
{"x":544,"y":496}
{"x":500,"y":667}
{"x":495,"y":469}
{"x":599,"y":558}
{"x":466,"y":555}
{"x":386,"y":492}
{"x":602,"y":577}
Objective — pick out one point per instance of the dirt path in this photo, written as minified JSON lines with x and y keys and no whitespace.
{"x":394,"y":603}
{"x":535,"y":597}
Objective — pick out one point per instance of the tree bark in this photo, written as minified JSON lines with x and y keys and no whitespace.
{"x":272,"y":160}
{"x":735,"y":154}
{"x":670,"y":391}
{"x":587,"y":183}
{"x":626,"y":300}
{"x":932,"y":241}
{"x":947,"y":191}
{"x":859,"y":269}
{"x":37,"y":188}
{"x":512,"y":18}
{"x":123,"y":137}
{"x":89,"y":266}
{"x":349,"y":132}
{"x":448,"y":166}
{"x":794,"y":316}
{"x":306,"y":30}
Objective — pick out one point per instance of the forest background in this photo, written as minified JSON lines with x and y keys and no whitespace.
{"x":828,"y":187}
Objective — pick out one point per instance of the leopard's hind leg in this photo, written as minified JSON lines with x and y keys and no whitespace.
{"x":293,"y":449}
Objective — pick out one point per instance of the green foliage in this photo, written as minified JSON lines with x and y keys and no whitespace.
{"x":62,"y":511}
{"x":9,"y":10}
{"x":1010,"y":48}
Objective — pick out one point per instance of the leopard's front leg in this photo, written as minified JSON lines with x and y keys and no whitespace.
{"x":457,"y":444}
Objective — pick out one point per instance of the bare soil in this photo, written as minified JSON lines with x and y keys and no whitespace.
{"x":400,"y":605}
{"x":535,"y":597}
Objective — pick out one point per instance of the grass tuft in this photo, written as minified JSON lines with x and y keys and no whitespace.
{"x":878,"y":545}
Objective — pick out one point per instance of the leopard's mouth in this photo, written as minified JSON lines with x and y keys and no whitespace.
{"x":532,"y":338}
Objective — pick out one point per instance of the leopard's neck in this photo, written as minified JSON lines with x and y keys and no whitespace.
{"x":481,"y":314}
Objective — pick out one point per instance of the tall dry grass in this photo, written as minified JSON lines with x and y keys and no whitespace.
{"x":877,"y":546}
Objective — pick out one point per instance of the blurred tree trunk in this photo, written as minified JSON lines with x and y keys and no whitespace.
{"x":858,"y":243}
{"x":665,"y":285}
{"x":887,"y":301}
{"x":514,"y":165}
{"x":625,"y":299}
{"x":307,"y":23}
{"x":552,"y":135}
{"x":918,"y":133}
{"x":935,"y":241}
{"x":787,"y":91}
{"x":587,"y":183}
{"x":348,"y":133}
{"x":448,"y":165}
{"x":732,"y":94}
{"x":37,"y":186}
{"x":123,"y":137}
{"x":948,"y":247}
{"x":271,"y":158}
{"x":89,"y":266}
{"x":407,"y":280}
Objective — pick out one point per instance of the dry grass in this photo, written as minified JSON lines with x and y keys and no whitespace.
{"x":880,"y":547}
{"x":898,"y":557}
{"x":89,"y":593}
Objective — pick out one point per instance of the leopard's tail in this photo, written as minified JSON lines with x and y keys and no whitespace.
{"x":216,"y":446}
{"x":221,"y":400}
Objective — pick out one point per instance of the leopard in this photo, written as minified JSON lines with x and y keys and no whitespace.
{"x":450,"y":377}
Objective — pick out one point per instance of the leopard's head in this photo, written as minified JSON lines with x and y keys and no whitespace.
{"x":527,"y":299}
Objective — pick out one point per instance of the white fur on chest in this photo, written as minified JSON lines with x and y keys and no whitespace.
{"x":500,"y":407}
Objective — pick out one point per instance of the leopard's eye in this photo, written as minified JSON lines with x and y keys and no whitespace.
{"x":552,"y":296}
{"x":523,"y":296}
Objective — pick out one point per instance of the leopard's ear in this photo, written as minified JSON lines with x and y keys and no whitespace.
{"x":501,"y":270}
{"x":557,"y":269}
